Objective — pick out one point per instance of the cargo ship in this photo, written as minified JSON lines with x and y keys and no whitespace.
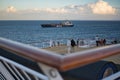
{"x":62,"y":24}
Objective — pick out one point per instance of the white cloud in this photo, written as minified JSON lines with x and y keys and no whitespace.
{"x":102,"y":7}
{"x":56,"y":10}
{"x":11,"y":9}
{"x":45,"y":10}
{"x":71,"y":6}
{"x":99,"y":10}
{"x":75,"y":9}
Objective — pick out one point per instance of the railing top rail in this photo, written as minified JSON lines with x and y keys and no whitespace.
{"x":61,"y":62}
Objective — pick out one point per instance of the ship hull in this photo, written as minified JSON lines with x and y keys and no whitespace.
{"x":55,"y":25}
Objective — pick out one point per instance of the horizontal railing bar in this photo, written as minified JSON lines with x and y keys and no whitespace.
{"x":24,"y":68}
{"x":89,"y":56}
{"x":33,"y":53}
{"x":61,"y":62}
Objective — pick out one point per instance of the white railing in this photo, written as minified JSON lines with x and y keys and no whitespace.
{"x":23,"y":69}
{"x":115,"y":76}
{"x":46,"y":44}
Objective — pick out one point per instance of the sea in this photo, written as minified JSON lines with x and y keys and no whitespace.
{"x":31,"y":32}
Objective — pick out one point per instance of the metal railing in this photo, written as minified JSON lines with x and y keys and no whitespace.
{"x":60,"y":62}
{"x":115,"y":76}
{"x":19,"y":71}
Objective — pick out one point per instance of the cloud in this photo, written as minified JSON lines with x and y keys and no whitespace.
{"x":99,"y":10}
{"x":49,"y":10}
{"x":44,"y":10}
{"x":118,"y":11}
{"x":74,"y":9}
{"x":56,"y":10}
{"x":102,"y":7}
{"x":11,"y":9}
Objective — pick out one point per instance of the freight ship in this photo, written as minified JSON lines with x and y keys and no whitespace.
{"x":62,"y":24}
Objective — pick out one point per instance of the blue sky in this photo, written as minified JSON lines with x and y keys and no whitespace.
{"x":59,"y":9}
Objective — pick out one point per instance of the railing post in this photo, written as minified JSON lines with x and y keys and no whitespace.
{"x":5,"y":73}
{"x":50,"y":72}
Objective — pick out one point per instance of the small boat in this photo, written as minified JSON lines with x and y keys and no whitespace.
{"x":62,"y":24}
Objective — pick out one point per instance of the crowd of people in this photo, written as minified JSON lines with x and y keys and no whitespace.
{"x":71,"y":43}
{"x":100,"y":42}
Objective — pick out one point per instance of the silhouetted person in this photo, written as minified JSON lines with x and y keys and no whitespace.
{"x":104,"y":41}
{"x":78,"y":42}
{"x":97,"y":40}
{"x":72,"y":45}
{"x":115,"y":41}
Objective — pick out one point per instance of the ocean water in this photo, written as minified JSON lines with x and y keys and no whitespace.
{"x":30,"y":32}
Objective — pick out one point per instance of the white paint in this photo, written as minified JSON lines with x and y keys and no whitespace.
{"x":113,"y":77}
{"x":51,"y":72}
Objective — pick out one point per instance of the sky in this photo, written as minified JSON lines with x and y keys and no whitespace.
{"x":59,"y":9}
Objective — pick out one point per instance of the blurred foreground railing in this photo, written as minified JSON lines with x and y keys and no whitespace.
{"x":52,"y":61}
{"x":115,"y":76}
{"x":18,"y":71}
